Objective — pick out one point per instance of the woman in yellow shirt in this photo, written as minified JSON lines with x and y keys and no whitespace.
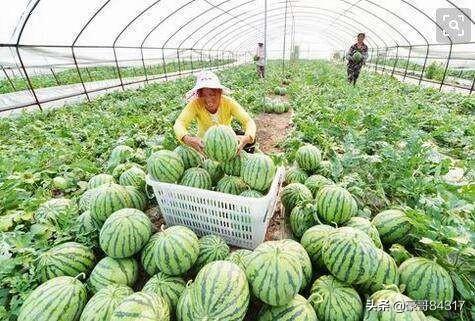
{"x":209,"y":105}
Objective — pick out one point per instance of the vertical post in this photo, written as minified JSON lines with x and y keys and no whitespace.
{"x":384,"y":59}
{"x":395,"y":60}
{"x":446,"y":67}
{"x":265,"y":35}
{"x":424,"y":65}
{"x":191,"y":61}
{"x":79,"y":74}
{"x":88,"y":74}
{"x":9,"y":79}
{"x":407,"y":63}
{"x":164,"y":64}
{"x":285,"y":38}
{"x":27,"y":77}
{"x":54,"y":76}
{"x":178,"y":57}
{"x":143,"y":65}
{"x":473,"y":83}
{"x":377,"y":59}
{"x":118,"y":69}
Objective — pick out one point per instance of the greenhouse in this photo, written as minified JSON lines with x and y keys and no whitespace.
{"x":237,"y":160}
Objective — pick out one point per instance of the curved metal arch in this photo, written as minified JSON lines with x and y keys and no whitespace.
{"x":225,"y":37}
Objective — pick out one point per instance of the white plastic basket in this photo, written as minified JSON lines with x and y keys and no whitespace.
{"x":240,"y":221}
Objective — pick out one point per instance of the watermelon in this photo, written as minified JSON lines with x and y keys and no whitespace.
{"x":120,"y":154}
{"x":138,"y":198}
{"x":113,"y":271}
{"x":388,"y":298}
{"x":165,"y":166}
{"x":251,"y":193}
{"x":231,"y":185}
{"x":299,"y":251}
{"x":295,"y":175}
{"x":281,"y":91}
{"x":313,"y":240}
{"x":196,"y":177}
{"x":357,"y":57}
{"x":334,"y":300}
{"x":426,"y":280}
{"x":294,"y":194}
{"x":234,"y":165}
{"x":308,"y":158}
{"x":393,"y":226}
{"x":67,"y":259}
{"x":335,"y":204}
{"x":220,"y":143}
{"x":214,"y":169}
{"x":85,"y":199}
{"x":386,"y":274}
{"x":189,"y":156}
{"x":212,"y":248}
{"x":183,"y":307}
{"x":302,"y":218}
{"x":258,"y":171}
{"x":326,"y":168}
{"x":350,"y":255}
{"x":100,"y":179}
{"x":399,"y":253}
{"x":133,"y":176}
{"x":101,"y":306}
{"x":142,"y":306}
{"x":147,"y":256}
{"x":177,"y":250}
{"x":107,"y":199}
{"x":298,"y":309}
{"x":60,"y":299}
{"x":220,"y":292}
{"x":240,"y":257}
{"x":121,"y":168}
{"x":166,"y":286}
{"x":315,"y":182}
{"x":274,"y":273}
{"x":85,"y":224}
{"x":57,"y":212}
{"x":281,"y":107}
{"x":366,"y":226}
{"x":125,"y":232}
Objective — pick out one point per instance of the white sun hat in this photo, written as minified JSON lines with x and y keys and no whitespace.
{"x":206,"y":79}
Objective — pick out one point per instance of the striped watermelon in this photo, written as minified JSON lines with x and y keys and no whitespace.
{"x":366,"y":226}
{"x":426,"y":280}
{"x":251,"y":193}
{"x":141,"y":306}
{"x":125,"y":232}
{"x":388,"y":298}
{"x":119,"y":169}
{"x":334,"y":300}
{"x":302,"y":218}
{"x":99,"y":180}
{"x":386,"y":274}
{"x":294,"y":194}
{"x":120,"y":154}
{"x":138,"y":198}
{"x":214,"y":169}
{"x":108,"y":199}
{"x":220,"y":142}
{"x":111,"y":271}
{"x":212,"y":248}
{"x":196,"y":177}
{"x":147,"y":257}
{"x":274,"y":273}
{"x":67,"y":259}
{"x":60,"y":299}
{"x":313,"y":240}
{"x":183,"y":307}
{"x":85,"y":224}
{"x":335,"y":204}
{"x":298,"y":309}
{"x":296,"y":248}
{"x":315,"y":182}
{"x":165,"y":166}
{"x":189,"y":156}
{"x":57,"y":212}
{"x":281,"y":107}
{"x":166,"y":286}
{"x":134,"y":176}
{"x":281,"y":91}
{"x":85,"y":199}
{"x":295,"y":175}
{"x":399,"y":253}
{"x":177,"y":250}
{"x":308,"y":158}
{"x":220,"y":292}
{"x":231,"y":185}
{"x":234,"y":165}
{"x":240,"y":257}
{"x":101,"y":306}
{"x":326,"y":168}
{"x":393,"y":226}
{"x":258,"y":171}
{"x":350,"y":255}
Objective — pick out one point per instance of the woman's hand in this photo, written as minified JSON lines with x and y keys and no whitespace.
{"x":194,"y":142}
{"x":243,"y":141}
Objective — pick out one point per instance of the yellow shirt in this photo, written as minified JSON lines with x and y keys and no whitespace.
{"x":228,"y":108}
